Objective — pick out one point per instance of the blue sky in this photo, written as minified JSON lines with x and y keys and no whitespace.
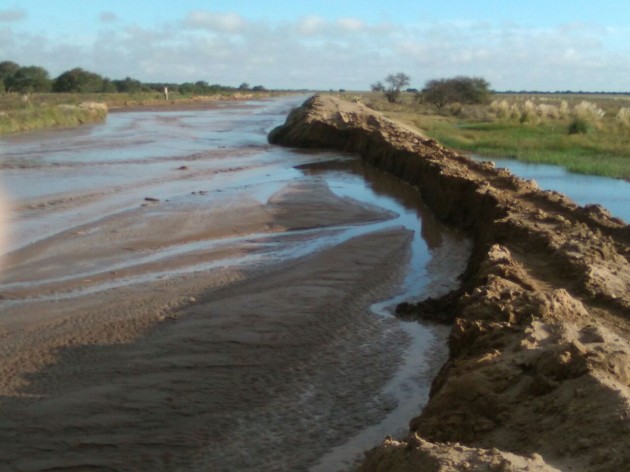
{"x":542,"y":45}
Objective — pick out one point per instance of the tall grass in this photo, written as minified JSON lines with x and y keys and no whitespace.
{"x":531,"y":128}
{"x":45,"y":110}
{"x":47,"y":116}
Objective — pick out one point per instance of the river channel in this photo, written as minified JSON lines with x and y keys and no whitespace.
{"x":177,"y":294}
{"x":117,"y":230}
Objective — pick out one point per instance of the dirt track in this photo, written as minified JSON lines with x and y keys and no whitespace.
{"x":539,"y":371}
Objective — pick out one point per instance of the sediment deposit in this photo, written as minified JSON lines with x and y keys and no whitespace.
{"x":538,"y":376}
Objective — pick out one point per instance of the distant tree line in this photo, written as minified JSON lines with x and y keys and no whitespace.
{"x":34,"y":79}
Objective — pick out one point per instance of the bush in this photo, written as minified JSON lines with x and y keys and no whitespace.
{"x":464,"y":90}
{"x":579,"y":125}
{"x":588,"y":111}
{"x":623,"y":116}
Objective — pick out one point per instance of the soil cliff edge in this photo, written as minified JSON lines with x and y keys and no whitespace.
{"x":538,"y":376}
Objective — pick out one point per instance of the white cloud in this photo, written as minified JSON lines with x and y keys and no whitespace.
{"x":108,"y":17}
{"x":11,"y":15}
{"x":351,"y":24}
{"x":311,"y":25}
{"x":219,"y":22}
{"x":312,"y":52}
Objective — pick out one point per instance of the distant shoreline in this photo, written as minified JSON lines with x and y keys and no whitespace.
{"x":62,"y":111}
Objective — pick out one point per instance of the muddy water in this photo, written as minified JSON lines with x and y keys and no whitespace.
{"x":612,"y":194}
{"x":436,"y":257}
{"x":70,"y":184}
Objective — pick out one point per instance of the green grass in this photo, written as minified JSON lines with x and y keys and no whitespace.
{"x":48,"y":110}
{"x":599,"y":152}
{"x":47,"y":116}
{"x":603,"y":150}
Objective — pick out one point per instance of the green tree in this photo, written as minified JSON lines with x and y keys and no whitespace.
{"x":128,"y":85}
{"x":464,"y":90}
{"x":78,"y":80}
{"x":28,"y":80}
{"x":7,"y":69}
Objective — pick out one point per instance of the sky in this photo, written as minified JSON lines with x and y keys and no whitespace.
{"x":327,"y":44}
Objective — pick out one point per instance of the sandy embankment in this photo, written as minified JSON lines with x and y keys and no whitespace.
{"x":261,"y":366}
{"x":539,"y":371}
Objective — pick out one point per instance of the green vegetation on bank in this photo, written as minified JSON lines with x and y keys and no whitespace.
{"x":39,"y":116}
{"x":47,"y":110}
{"x":587,"y":134}
{"x":30,"y":99}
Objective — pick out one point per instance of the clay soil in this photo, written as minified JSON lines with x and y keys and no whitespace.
{"x":538,"y":376}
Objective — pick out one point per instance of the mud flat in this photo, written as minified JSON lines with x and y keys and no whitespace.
{"x":538,"y":375}
{"x":177,"y":294}
{"x":139,"y":342}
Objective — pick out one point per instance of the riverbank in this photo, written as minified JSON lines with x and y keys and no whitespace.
{"x":531,"y":128}
{"x":43,"y":116}
{"x":65,"y":110}
{"x":537,"y":377}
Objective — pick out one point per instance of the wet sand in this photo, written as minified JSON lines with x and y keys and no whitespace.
{"x":226,"y":326}
{"x":537,"y":375}
{"x":101,"y":380}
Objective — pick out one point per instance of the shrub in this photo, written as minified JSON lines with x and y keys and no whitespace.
{"x":528,"y":114}
{"x":547,"y":111}
{"x":623,"y":116}
{"x":588,"y":111}
{"x":464,"y":90}
{"x":501,"y":108}
{"x":579,"y":126}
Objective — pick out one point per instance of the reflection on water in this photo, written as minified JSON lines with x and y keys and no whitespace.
{"x":409,"y":386}
{"x":612,"y":194}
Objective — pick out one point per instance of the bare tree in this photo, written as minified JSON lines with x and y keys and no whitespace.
{"x":395,"y":82}
{"x":378,"y":87}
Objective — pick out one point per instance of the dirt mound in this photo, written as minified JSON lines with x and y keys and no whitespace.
{"x":539,"y":350}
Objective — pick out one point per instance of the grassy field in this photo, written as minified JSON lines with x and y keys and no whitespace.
{"x":531,"y":128}
{"x":48,"y":110}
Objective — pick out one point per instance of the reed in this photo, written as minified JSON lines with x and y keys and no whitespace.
{"x":48,"y":116}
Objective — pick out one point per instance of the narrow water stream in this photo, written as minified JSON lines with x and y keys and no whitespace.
{"x":437,"y":257}
{"x":612,"y":194}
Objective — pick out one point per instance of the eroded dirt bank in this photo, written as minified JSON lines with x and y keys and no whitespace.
{"x":539,"y":371}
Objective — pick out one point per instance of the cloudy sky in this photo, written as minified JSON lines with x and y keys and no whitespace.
{"x":322,"y":44}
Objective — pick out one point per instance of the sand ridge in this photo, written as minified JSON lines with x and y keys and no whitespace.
{"x":544,"y":301}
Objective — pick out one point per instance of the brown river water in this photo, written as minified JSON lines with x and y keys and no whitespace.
{"x":179,"y":295}
{"x":113,"y":228}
